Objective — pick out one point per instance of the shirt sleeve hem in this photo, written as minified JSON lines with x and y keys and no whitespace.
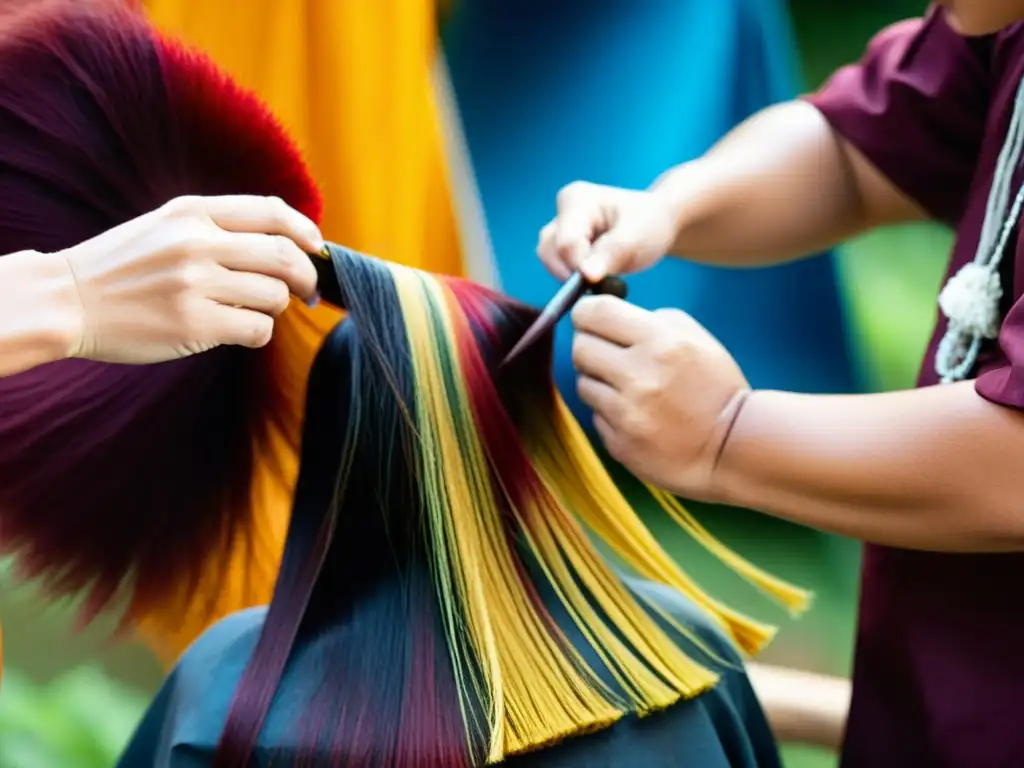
{"x":1002,"y":386}
{"x":850,"y":125}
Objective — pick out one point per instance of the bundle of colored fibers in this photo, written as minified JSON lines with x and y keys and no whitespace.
{"x":439,"y":563}
{"x":439,"y":558}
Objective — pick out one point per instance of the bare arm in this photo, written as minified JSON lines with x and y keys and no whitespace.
{"x":38,"y":310}
{"x":194,"y":274}
{"x":780,"y":186}
{"x":802,"y":707}
{"x":935,"y":468}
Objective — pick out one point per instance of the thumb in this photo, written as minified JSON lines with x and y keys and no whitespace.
{"x":610,"y":255}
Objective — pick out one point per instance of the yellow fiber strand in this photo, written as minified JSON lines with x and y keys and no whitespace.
{"x":657,"y":659}
{"x":565,"y":456}
{"x":797,"y":600}
{"x":450,"y":580}
{"x":540,"y":689}
{"x":549,"y":692}
{"x":514,"y":667}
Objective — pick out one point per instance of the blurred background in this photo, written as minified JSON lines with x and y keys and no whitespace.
{"x":71,"y":700}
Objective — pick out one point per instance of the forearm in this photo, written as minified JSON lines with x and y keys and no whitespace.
{"x":936,"y":468}
{"x":37,"y":311}
{"x":802,"y":707}
{"x":780,"y":186}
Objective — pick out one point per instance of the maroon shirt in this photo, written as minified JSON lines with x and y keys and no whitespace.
{"x":939,"y":669}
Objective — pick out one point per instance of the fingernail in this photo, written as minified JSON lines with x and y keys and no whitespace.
{"x":313,"y":301}
{"x":594,"y":267}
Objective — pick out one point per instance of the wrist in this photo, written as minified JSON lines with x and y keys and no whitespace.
{"x":719,"y":480}
{"x":755,"y":468}
{"x":64,"y":304}
{"x":46,"y":316}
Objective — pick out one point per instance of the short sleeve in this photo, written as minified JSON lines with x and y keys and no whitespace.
{"x":915,"y":106}
{"x":1002,"y":381}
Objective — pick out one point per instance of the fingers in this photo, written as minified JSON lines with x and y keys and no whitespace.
{"x":608,"y":406}
{"x":598,"y":359}
{"x":566,"y":241}
{"x":547,"y":250}
{"x":603,"y":399}
{"x":259,"y":215}
{"x":608,"y":436}
{"x":601,"y":231}
{"x":240,"y":327}
{"x":273,"y":256}
{"x":249,"y":290}
{"x":608,"y":256}
{"x":561,"y":255}
{"x":612,"y":319}
{"x":562,"y":249}
{"x":573,"y":233}
{"x":596,"y":266}
{"x":577,"y":224}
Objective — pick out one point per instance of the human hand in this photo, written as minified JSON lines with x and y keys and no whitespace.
{"x":192,"y":275}
{"x":664,"y":391}
{"x":606,"y":230}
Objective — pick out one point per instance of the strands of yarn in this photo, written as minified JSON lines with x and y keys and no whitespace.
{"x":970,"y":299}
{"x":445,"y":475}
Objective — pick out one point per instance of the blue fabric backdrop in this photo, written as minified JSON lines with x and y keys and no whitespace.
{"x":615,"y":92}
